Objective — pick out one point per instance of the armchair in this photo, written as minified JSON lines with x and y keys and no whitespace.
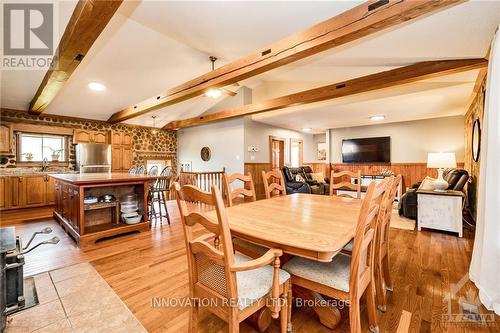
{"x":293,"y":186}
{"x":316,"y":187}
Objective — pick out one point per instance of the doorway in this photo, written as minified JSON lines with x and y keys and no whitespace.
{"x":277,"y":152}
{"x":296,"y":152}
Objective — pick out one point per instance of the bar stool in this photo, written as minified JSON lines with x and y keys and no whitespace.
{"x":157,"y":195}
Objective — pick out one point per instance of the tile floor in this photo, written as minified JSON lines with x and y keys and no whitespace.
{"x":74,"y":299}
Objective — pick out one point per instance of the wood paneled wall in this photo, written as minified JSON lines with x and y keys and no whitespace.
{"x":476,"y":111}
{"x":411,"y":172}
{"x":255,"y":169}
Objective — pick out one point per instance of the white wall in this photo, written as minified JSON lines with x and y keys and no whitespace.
{"x":410,"y":141}
{"x":257,"y":134}
{"x":225,"y":139}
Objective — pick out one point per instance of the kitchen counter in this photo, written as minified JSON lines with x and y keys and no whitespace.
{"x":89,"y":223}
{"x":101,"y":178}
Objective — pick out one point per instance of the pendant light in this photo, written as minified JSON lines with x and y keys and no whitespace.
{"x":154,"y":131}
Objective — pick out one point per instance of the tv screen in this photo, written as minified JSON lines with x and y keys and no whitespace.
{"x":367,"y":150}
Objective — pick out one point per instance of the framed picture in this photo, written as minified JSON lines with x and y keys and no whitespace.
{"x":322,"y":151}
{"x":186,"y":166}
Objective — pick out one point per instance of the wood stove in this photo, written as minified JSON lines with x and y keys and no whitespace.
{"x":11,"y":270}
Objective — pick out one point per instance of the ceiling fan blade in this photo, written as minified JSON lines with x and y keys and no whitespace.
{"x":236,"y":84}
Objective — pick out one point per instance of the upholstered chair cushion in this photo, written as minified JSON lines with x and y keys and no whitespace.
{"x":348,"y":247}
{"x":334,"y":274}
{"x":255,"y":284}
{"x":250,"y":246}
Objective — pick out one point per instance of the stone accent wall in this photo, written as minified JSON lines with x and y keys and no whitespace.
{"x":476,"y":111}
{"x":145,"y":144}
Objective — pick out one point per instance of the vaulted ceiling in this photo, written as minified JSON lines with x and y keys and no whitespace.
{"x":150,"y":46}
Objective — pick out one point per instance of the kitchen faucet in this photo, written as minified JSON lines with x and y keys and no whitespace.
{"x":45,"y":164}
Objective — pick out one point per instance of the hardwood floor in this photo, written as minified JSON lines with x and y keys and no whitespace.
{"x":151,"y":265}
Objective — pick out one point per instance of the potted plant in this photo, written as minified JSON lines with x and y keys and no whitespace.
{"x":55,"y":154}
{"x":29,"y":156}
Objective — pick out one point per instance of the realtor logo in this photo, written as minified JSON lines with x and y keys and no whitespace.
{"x":28,"y":35}
{"x":28,"y":29}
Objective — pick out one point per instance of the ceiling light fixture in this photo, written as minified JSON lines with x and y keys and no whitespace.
{"x":307,"y":129}
{"x":154,"y":131}
{"x":213,"y":93}
{"x":96,"y":86}
{"x":377,"y":118}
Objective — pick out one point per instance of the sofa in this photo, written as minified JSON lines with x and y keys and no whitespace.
{"x":290,"y":175}
{"x":291,"y":183}
{"x":456,"y":178}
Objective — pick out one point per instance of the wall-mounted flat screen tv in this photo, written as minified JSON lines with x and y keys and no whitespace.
{"x":367,"y":150}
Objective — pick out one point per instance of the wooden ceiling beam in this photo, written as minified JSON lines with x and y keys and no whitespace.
{"x":403,"y":75}
{"x":88,"y":20}
{"x":363,"y":20}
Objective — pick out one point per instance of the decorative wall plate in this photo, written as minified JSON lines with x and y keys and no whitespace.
{"x":206,"y":154}
{"x":476,"y":140}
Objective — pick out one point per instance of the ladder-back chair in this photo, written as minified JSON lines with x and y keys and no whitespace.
{"x":236,"y":286}
{"x":345,"y":185}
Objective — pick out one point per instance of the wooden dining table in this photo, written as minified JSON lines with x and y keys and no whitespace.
{"x":316,"y":227}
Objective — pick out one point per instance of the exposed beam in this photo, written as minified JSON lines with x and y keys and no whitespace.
{"x":85,"y":25}
{"x":403,"y":75}
{"x":348,"y":26}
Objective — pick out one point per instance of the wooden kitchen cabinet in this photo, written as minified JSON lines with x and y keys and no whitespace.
{"x":15,"y":191}
{"x":116,"y":158}
{"x":121,"y":151}
{"x":36,"y":191}
{"x":50,"y":191}
{"x":26,"y":191}
{"x":87,"y":136}
{"x":6,"y":137}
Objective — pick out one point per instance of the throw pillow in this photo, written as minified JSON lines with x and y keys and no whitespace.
{"x":318,"y":177}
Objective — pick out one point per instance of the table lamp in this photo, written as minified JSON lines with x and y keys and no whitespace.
{"x":441,"y":161}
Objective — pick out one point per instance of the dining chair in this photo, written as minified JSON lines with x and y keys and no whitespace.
{"x":141,"y":170}
{"x":273,"y":182}
{"x":159,"y":193}
{"x":347,"y":278}
{"x":132,"y":170}
{"x":153,"y":171}
{"x":232,"y":286}
{"x":342,"y":184}
{"x":383,"y":281}
{"x":247,"y":191}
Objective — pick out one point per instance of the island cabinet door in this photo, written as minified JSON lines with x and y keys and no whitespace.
{"x":58,"y":197}
{"x":75,"y":208}
{"x":3,"y":192}
{"x":66,"y":206}
{"x":35,"y":190}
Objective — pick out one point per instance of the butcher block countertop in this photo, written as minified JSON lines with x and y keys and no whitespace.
{"x":101,"y":178}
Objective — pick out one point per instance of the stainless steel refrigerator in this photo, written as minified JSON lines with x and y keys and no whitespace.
{"x":93,"y":157}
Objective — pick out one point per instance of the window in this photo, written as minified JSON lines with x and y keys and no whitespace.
{"x":296,"y":152}
{"x":34,"y":147}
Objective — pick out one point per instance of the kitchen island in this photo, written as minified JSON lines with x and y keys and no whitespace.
{"x":88,"y":223}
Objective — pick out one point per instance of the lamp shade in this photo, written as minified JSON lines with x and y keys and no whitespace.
{"x":441,"y":160}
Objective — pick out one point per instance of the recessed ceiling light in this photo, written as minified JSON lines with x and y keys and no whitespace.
{"x":307,"y":129}
{"x":96,"y":86}
{"x":213,"y":93}
{"x":377,"y":118}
